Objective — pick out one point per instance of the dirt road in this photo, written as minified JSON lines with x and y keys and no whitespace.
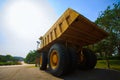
{"x":24,"y":72}
{"x":29,"y":72}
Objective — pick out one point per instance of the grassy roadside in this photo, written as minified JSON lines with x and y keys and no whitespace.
{"x":9,"y":63}
{"x":114,"y":64}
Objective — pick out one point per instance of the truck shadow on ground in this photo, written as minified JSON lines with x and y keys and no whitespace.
{"x":96,"y":74}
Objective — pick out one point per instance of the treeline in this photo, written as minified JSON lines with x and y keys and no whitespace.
{"x":9,"y":60}
{"x":31,"y":57}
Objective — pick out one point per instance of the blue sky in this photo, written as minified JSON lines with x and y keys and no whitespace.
{"x":2,"y":3}
{"x":22,"y":22}
{"x":88,"y":8}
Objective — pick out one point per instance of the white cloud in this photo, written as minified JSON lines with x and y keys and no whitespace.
{"x":23,"y":22}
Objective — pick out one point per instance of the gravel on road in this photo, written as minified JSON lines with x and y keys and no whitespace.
{"x":26,"y":72}
{"x":30,"y":72}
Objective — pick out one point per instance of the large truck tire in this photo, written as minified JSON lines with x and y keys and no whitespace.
{"x":43,"y":61}
{"x":58,"y":60}
{"x":89,"y":59}
{"x":73,"y":59}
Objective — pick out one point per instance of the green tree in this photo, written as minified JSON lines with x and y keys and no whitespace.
{"x":9,"y":58}
{"x":109,"y":20}
{"x":5,"y":58}
{"x":31,"y":56}
{"x":2,"y":58}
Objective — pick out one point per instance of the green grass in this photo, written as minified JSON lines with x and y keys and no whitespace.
{"x":9,"y":63}
{"x":114,"y":64}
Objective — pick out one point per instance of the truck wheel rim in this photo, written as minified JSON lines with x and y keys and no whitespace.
{"x":40,"y":60}
{"x":54,"y":59}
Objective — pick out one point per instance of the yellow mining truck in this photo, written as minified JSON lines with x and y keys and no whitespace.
{"x":61,"y":49}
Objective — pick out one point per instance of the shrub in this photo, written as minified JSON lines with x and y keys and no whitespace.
{"x":110,"y":58}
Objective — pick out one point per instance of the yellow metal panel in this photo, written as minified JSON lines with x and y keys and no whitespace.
{"x":74,"y":28}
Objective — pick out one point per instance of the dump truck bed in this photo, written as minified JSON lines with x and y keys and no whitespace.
{"x":73,"y":28}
